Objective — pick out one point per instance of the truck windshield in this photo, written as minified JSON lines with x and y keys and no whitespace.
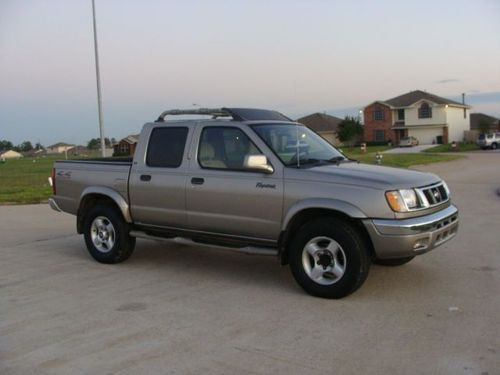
{"x":309,"y":149}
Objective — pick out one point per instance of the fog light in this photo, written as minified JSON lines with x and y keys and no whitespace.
{"x":421,"y":244}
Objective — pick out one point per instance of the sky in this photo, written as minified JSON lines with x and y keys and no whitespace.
{"x":295,"y":56}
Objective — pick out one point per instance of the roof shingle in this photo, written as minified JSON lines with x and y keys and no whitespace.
{"x":320,"y":122}
{"x":412,"y":97}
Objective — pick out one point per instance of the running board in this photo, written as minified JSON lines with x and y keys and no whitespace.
{"x":251,"y":250}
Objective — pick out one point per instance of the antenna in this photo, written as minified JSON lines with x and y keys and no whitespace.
{"x":298,"y":145}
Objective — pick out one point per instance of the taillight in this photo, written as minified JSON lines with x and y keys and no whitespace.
{"x":53,"y":181}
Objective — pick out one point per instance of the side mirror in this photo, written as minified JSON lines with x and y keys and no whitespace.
{"x":257,"y":163}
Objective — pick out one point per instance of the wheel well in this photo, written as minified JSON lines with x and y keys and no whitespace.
{"x":89,"y":201}
{"x":313,"y":213}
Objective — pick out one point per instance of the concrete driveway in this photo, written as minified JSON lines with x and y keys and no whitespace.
{"x":408,"y":150}
{"x":183,"y":310}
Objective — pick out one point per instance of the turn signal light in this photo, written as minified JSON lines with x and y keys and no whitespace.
{"x":395,"y":201}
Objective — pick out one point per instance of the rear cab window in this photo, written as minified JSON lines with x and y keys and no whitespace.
{"x":166,"y":147}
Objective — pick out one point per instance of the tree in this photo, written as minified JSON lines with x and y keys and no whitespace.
{"x":6,"y":145}
{"x":95,"y":143}
{"x":39,"y":146}
{"x":349,"y":130}
{"x":25,"y":146}
{"x":484,"y":126}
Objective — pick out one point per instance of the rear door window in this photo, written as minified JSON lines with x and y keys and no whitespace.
{"x":166,"y":147}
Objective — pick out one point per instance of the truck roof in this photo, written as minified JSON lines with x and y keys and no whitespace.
{"x":236,"y":114}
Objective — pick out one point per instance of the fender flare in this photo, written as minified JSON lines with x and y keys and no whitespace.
{"x":113,"y":195}
{"x":322,"y":203}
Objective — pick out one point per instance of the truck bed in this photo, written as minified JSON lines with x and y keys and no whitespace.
{"x":74,"y":176}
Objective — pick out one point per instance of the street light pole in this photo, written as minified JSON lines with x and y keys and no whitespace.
{"x":98,"y":78}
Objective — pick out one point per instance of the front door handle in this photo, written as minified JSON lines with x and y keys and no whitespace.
{"x":197,"y":181}
{"x":145,"y":177}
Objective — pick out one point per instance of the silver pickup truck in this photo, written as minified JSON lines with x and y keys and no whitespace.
{"x":254,"y":181}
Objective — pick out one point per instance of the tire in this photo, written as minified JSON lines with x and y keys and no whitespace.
{"x":494,"y":146}
{"x":107,"y":235}
{"x":392,"y":262}
{"x":329,"y":258}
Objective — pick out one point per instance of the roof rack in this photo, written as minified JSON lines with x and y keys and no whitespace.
{"x":238,"y":114}
{"x":214,"y":112}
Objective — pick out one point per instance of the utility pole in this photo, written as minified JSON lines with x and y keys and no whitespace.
{"x":98,"y":78}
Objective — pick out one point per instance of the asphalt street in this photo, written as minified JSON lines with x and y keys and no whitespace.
{"x":184,"y":310}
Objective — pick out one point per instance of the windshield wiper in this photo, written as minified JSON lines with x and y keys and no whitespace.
{"x":335,"y":160}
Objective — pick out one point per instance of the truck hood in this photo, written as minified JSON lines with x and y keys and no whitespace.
{"x":374,"y":176}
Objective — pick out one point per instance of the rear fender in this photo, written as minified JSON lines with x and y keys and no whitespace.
{"x":120,"y":202}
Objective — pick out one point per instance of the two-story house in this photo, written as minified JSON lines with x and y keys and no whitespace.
{"x":427,"y":117}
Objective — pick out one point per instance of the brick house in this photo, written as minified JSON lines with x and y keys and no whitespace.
{"x":323,"y":124}
{"x":427,"y":117}
{"x":126,"y":146}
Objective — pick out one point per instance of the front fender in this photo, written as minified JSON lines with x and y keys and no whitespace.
{"x":323,"y":203}
{"x":112,"y":194}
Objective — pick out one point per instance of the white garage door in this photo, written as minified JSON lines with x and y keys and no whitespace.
{"x":425,"y":136}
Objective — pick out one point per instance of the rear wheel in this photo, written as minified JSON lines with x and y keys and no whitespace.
{"x":392,"y":262}
{"x":494,"y":146}
{"x":328,"y":258}
{"x":107,"y":235}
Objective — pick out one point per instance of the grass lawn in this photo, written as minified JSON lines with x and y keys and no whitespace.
{"x":462,"y":147}
{"x":395,"y":160}
{"x":369,"y":150}
{"x":25,"y":180}
{"x":403,"y":160}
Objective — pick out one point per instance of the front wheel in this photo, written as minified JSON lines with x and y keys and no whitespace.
{"x":494,"y":146}
{"x":329,"y":258}
{"x":107,"y":235}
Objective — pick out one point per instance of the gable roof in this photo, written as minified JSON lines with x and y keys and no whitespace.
{"x":131,"y":139}
{"x":476,"y":118}
{"x":412,"y":97}
{"x":320,"y":122}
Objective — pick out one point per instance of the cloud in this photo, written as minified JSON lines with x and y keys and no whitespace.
{"x":447,"y":80}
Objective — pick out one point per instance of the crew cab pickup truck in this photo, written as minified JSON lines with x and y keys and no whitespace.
{"x":254,"y":181}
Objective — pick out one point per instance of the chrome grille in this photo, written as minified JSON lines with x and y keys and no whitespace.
{"x":433,"y":195}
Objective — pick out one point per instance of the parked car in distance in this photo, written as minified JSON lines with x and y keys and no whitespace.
{"x":491,"y":140}
{"x":408,"y":142}
{"x":242,"y":181}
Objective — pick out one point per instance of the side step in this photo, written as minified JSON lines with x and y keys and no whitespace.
{"x":251,"y":250}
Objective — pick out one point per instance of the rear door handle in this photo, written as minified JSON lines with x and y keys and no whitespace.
{"x":145,"y":177}
{"x":197,"y":181}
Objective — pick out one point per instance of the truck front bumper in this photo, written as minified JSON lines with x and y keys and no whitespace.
{"x":410,"y":237}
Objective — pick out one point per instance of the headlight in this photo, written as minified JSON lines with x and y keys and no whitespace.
{"x":402,"y":200}
{"x":446,"y":188}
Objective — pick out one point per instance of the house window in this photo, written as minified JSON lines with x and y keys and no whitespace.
{"x":379,"y":135}
{"x":378,"y":114}
{"x":123,"y":148}
{"x":401,"y":114}
{"x":425,"y":111}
